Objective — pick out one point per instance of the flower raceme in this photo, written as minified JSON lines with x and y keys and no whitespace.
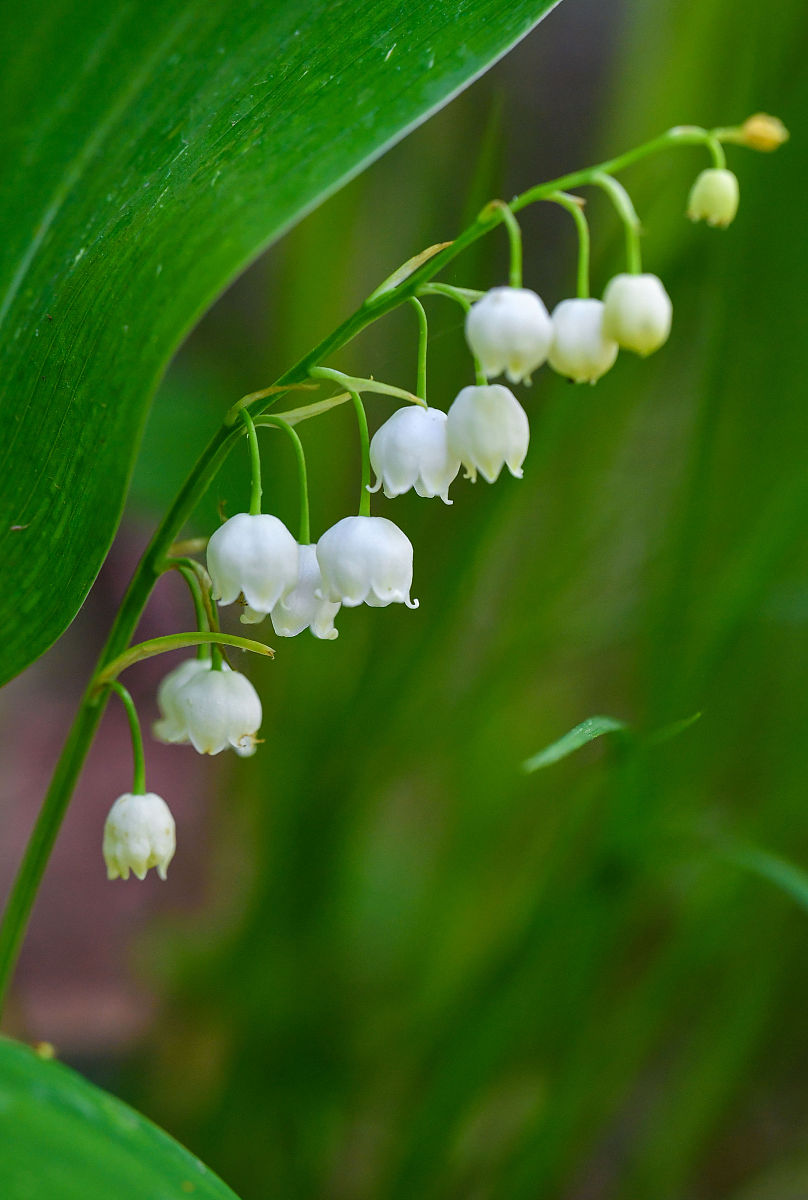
{"x":366,"y":560}
{"x":509,"y":330}
{"x":488,"y":429}
{"x":253,"y":555}
{"x":139,"y":833}
{"x":411,"y":450}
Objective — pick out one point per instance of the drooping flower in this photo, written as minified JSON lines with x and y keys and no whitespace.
{"x":488,"y":429}
{"x":581,"y":349}
{"x":219,"y":709}
{"x":509,"y":330}
{"x":171,"y":726}
{"x":139,"y":833}
{"x":255,"y":555}
{"x":411,"y":450}
{"x":637,"y":312}
{"x":714,"y":197}
{"x":304,"y":607}
{"x":366,"y":560}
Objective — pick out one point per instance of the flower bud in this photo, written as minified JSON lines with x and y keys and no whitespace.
{"x":256,"y":555}
{"x":762,"y":132}
{"x":304,"y":607}
{"x":138,"y":833}
{"x":220,"y":709}
{"x":509,"y":330}
{"x":411,"y":450}
{"x":581,"y":348}
{"x":171,"y":726}
{"x":714,"y":197}
{"x":637,"y":312}
{"x":366,"y":560}
{"x":488,"y":429}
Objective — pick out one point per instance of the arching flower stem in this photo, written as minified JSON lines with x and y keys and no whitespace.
{"x":465,"y":297}
{"x":364,"y":445}
{"x":255,"y":463}
{"x":624,"y":207}
{"x":139,"y":773}
{"x":423,"y":337}
{"x":575,"y":207}
{"x":302,"y":473}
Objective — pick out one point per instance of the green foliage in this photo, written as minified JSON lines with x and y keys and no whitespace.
{"x":148,"y":153}
{"x":587,"y":731}
{"x":66,"y":1138}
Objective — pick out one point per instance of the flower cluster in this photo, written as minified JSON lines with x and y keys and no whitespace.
{"x":253,"y":559}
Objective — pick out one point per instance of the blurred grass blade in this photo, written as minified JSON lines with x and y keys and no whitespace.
{"x":587,"y":731}
{"x":667,"y":732}
{"x":783,"y":874}
{"x":63,"y":1137}
{"x":148,"y":152}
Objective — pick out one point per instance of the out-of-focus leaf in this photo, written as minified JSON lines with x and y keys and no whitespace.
{"x":783,"y":874}
{"x":63,"y":1137}
{"x":587,"y":731}
{"x":148,"y":153}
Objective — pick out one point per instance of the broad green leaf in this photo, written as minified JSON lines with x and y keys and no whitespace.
{"x":148,"y":152}
{"x":65,"y":1138}
{"x":587,"y":731}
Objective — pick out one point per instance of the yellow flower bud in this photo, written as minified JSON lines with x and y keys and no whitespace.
{"x":762,"y":132}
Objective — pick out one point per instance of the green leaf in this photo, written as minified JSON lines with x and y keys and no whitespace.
{"x":148,"y":153}
{"x":783,"y":874}
{"x":63,"y":1137}
{"x":587,"y":731}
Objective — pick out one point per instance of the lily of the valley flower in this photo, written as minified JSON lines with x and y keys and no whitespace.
{"x":219,"y":709}
{"x":139,"y":833}
{"x":304,"y":607}
{"x":509,"y":330}
{"x":581,"y":348}
{"x":488,"y":429}
{"x":637,"y":312}
{"x":411,"y":450}
{"x":714,"y":197}
{"x":255,"y":555}
{"x":171,"y":727}
{"x":366,"y":560}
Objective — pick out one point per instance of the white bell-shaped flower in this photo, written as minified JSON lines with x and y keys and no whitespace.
{"x":509,"y":330}
{"x":637,"y":312}
{"x":488,"y":429}
{"x":171,"y":726}
{"x":581,"y":349}
{"x":254,"y":555}
{"x":304,"y":607}
{"x":411,"y":450}
{"x":138,"y":833}
{"x":220,"y":709}
{"x":714,"y":197}
{"x":366,"y":560}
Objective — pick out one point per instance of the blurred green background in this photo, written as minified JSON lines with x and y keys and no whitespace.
{"x":410,"y":969}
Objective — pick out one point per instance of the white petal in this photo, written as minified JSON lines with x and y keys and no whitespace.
{"x":637,"y":312}
{"x":509,"y":329}
{"x":488,"y":428}
{"x":581,"y":350}
{"x":256,"y":555}
{"x":365,"y":560}
{"x":139,"y":833}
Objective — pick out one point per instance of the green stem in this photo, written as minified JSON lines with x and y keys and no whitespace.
{"x":175,"y":641}
{"x":302,"y":475}
{"x":514,"y":239}
{"x":364,"y":443}
{"x":464,"y":297}
{"x":423,"y":335}
{"x":717,"y":152}
{"x":627,"y":213}
{"x":203,"y":605}
{"x":85,"y":725}
{"x":139,"y":779}
{"x":359,"y":384}
{"x":255,"y":464}
{"x":574,"y":206}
